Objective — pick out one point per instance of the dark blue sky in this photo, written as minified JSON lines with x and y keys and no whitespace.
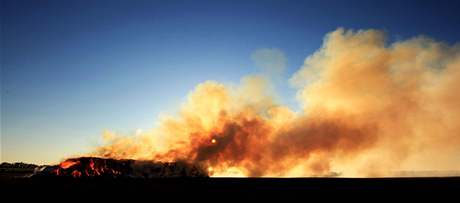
{"x":70,"y":69}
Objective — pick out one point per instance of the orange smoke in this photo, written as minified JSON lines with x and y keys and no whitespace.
{"x":369,"y":108}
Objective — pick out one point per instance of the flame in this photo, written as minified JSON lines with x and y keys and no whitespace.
{"x":367,"y":107}
{"x":76,"y":174}
{"x":85,"y":167}
{"x":68,"y":164}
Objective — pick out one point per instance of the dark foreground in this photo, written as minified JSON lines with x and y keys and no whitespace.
{"x":230,"y":188}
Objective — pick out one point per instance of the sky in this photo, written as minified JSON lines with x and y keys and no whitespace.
{"x":72,"y":69}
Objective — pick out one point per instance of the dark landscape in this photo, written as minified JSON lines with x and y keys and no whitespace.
{"x":22,"y":179}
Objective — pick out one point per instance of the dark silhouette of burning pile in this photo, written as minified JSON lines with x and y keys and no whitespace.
{"x":91,"y":167}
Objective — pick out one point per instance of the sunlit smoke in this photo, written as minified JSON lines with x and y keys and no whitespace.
{"x":369,"y":107}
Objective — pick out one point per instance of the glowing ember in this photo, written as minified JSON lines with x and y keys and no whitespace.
{"x":213,"y":141}
{"x":76,"y":174}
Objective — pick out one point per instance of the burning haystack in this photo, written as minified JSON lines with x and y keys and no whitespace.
{"x":87,"y":167}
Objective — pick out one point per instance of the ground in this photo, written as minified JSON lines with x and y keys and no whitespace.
{"x":232,"y":187}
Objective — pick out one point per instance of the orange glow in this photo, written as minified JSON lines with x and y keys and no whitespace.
{"x":86,"y":167}
{"x":76,"y":174}
{"x":213,"y":141}
{"x":68,"y":164}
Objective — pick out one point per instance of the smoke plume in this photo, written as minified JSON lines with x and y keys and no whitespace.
{"x":272,"y":62}
{"x":369,"y":107}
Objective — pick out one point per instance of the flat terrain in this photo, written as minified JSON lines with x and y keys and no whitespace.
{"x":441,"y":187}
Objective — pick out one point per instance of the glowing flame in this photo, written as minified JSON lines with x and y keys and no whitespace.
{"x":68,"y":164}
{"x":76,"y":174}
{"x":77,"y":169}
{"x":90,"y":167}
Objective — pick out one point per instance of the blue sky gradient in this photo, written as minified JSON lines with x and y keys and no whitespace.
{"x":71,"y":69}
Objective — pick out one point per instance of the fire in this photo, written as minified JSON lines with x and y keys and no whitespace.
{"x":68,"y":164}
{"x":76,"y":174}
{"x":92,"y":167}
{"x":85,"y":167}
{"x":365,"y":106}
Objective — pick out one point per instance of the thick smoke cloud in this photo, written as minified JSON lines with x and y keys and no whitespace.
{"x":369,"y":108}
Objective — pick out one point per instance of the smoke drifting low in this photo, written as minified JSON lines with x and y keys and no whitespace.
{"x":368,"y":108}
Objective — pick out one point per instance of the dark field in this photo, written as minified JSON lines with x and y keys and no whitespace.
{"x":286,"y":188}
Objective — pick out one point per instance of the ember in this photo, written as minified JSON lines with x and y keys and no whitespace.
{"x":127,"y":168}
